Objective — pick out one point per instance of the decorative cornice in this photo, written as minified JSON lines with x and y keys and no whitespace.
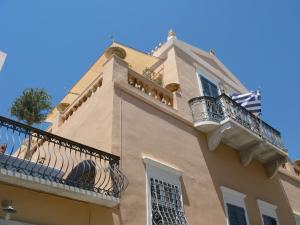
{"x":82,"y":98}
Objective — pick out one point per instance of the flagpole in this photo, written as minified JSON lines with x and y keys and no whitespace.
{"x":260,"y":114}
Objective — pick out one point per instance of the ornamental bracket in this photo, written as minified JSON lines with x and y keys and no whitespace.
{"x":215,"y":137}
{"x":248,"y":154}
{"x":271,"y":167}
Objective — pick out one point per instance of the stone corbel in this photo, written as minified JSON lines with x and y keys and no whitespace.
{"x":248,"y":154}
{"x":271,"y":167}
{"x":214,"y":138}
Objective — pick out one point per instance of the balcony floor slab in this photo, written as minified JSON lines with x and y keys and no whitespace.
{"x":51,"y":187}
{"x":250,"y":145}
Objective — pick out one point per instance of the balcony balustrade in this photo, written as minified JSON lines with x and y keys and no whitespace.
{"x":225,"y":120}
{"x":50,"y":159}
{"x":151,"y":88}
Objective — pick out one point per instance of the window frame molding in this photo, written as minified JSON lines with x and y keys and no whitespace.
{"x":153,"y":164}
{"x":236,"y":198}
{"x":148,"y":160}
{"x":267,"y":209}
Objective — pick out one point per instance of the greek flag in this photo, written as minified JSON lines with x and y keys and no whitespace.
{"x":250,"y":101}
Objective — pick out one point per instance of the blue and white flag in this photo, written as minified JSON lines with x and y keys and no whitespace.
{"x":250,"y":101}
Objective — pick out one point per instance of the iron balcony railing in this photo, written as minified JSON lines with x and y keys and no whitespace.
{"x":207,"y":108}
{"x":41,"y":154}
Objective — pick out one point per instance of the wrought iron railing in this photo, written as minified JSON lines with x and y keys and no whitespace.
{"x":206,"y":108}
{"x":41,"y":154}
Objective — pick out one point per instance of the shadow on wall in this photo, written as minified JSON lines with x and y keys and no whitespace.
{"x":185,"y":197}
{"x":226,"y":170}
{"x":117,"y":216}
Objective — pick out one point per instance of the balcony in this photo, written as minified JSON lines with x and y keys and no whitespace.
{"x":222,"y":119}
{"x":42,"y":161}
{"x":150,"y":88}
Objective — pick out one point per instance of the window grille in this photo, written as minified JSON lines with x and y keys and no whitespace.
{"x":166,"y":204}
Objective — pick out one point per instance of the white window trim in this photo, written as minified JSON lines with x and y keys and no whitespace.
{"x":235,"y":198}
{"x":268,"y":210}
{"x":159,"y":169}
{"x":148,"y":160}
{"x":212,"y":79}
{"x":297,"y":217}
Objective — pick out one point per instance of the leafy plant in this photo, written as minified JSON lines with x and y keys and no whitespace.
{"x":159,"y":80}
{"x":32,"y":106}
{"x":151,"y":75}
{"x":147,"y":72}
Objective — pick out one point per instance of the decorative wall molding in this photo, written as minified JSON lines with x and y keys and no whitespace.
{"x":267,"y":209}
{"x":148,"y":160}
{"x":82,"y":98}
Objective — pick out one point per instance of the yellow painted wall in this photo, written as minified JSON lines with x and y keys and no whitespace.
{"x":43,"y":209}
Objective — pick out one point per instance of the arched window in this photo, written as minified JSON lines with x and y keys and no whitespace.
{"x":83,"y":175}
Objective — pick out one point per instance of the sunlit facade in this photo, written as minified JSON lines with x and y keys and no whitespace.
{"x":149,"y":138}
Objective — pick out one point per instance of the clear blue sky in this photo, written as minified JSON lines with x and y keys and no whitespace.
{"x":51,"y":43}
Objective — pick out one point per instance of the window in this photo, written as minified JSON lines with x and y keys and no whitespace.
{"x":209,"y":88}
{"x":164,"y":196}
{"x":268,"y":213}
{"x":212,"y":111}
{"x":297,"y":217}
{"x":236,"y":215}
{"x":268,"y":220}
{"x":235,"y":207}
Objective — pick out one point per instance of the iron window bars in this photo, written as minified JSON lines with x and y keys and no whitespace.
{"x":166,"y":204}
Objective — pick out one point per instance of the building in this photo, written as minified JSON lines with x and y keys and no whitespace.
{"x":2,"y":59}
{"x":149,"y":139}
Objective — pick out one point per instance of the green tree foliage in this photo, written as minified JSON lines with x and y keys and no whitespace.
{"x":32,"y":106}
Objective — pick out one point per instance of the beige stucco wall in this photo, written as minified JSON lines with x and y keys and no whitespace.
{"x":88,"y":123}
{"x":291,"y":186}
{"x":188,"y":83}
{"x":43,"y":209}
{"x":91,"y":123}
{"x":147,"y":130}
